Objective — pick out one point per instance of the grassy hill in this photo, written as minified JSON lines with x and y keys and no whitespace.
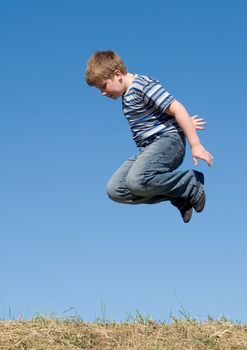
{"x":53,"y":334}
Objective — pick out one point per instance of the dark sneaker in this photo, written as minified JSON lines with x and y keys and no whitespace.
{"x":200,"y":204}
{"x":199,"y":176}
{"x":186,"y":212}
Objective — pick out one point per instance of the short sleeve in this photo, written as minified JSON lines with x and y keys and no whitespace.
{"x":156,"y":96}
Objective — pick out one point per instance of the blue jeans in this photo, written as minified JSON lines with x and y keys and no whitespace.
{"x":151,"y":176}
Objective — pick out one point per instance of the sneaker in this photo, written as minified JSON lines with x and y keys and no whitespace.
{"x":186,"y":212}
{"x":199,"y":177}
{"x":200,"y":204}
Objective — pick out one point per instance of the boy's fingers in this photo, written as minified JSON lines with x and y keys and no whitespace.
{"x":209,"y":159}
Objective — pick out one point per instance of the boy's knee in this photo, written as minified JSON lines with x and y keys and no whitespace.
{"x":116,"y":192}
{"x":135,"y":184}
{"x":111,"y":190}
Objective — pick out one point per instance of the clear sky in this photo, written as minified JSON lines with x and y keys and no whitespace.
{"x":64,"y":244}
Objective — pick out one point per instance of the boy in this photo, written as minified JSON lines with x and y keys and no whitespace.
{"x":159,"y":124}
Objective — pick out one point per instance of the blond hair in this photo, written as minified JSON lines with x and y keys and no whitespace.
{"x":102,"y":65}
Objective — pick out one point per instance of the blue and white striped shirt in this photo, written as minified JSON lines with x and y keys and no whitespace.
{"x":143,"y":105}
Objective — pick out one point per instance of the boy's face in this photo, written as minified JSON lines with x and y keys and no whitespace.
{"x":112,"y":88}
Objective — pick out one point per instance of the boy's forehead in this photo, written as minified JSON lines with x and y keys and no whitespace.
{"x":101,"y":83}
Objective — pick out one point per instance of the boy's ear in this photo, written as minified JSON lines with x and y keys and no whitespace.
{"x":117,"y":73}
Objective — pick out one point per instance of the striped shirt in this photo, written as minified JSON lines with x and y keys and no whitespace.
{"x":143,"y":105}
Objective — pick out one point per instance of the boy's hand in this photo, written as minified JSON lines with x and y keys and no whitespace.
{"x":198,"y":122}
{"x":189,"y":126}
{"x":198,"y":151}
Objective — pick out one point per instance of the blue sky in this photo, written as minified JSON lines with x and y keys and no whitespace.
{"x":64,"y":244}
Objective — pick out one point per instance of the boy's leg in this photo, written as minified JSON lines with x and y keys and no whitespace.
{"x":118,"y":191}
{"x":153,"y":173}
{"x":116,"y":187}
{"x":180,"y":202}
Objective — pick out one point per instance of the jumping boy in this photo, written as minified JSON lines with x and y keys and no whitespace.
{"x":160,"y":125}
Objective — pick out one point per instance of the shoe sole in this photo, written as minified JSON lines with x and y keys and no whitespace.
{"x":200,"y":204}
{"x":187,"y":215}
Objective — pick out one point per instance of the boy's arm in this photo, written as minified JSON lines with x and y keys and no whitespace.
{"x":183,"y":119}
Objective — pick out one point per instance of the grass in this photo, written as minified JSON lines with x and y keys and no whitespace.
{"x":139,"y":333}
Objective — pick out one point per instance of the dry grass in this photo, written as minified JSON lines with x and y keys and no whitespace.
{"x":53,"y":334}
